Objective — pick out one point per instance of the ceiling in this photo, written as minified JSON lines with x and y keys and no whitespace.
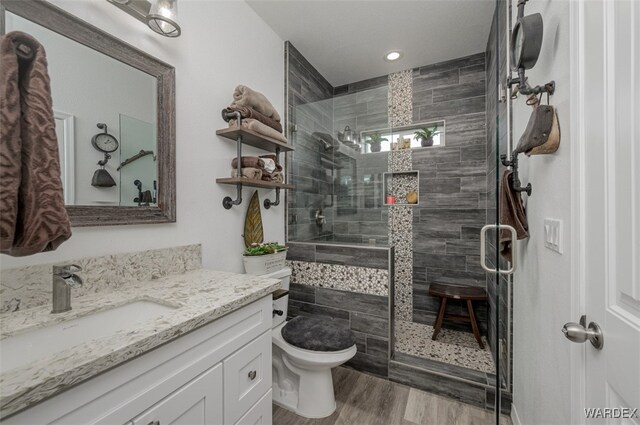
{"x":346,"y":40}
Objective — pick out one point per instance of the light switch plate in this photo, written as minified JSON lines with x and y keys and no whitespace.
{"x":553,"y":234}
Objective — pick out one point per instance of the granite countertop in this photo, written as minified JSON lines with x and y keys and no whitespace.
{"x":199,"y":297}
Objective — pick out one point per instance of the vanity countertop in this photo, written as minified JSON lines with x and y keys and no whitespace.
{"x":199,"y":297}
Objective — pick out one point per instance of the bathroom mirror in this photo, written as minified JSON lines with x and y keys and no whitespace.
{"x":113,"y":103}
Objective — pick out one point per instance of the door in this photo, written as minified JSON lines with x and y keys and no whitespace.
{"x":610,"y":174}
{"x":197,"y":402}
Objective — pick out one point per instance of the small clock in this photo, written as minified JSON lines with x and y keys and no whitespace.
{"x":104,"y":142}
{"x":526,"y":41}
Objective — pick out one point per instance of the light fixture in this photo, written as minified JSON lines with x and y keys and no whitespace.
{"x":393,"y":55}
{"x":160,"y":15}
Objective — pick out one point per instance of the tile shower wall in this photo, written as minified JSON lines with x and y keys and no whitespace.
{"x":453,"y":186}
{"x":310,"y":107}
{"x":30,"y":286}
{"x":453,"y":178}
{"x":349,"y":285}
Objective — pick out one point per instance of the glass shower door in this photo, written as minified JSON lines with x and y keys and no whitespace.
{"x":498,"y":269}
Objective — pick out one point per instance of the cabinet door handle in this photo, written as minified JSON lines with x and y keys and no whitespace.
{"x":252,"y":376}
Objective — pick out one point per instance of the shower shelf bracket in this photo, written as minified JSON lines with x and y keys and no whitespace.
{"x":240,"y":136}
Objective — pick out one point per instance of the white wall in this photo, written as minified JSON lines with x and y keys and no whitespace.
{"x":542,"y":296}
{"x":224,"y":43}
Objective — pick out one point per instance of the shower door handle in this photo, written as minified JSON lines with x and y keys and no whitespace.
{"x":514,"y":256}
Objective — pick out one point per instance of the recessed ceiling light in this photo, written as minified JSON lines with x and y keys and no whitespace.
{"x":393,"y":55}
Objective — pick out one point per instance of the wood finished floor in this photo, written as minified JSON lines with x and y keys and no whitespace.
{"x":366,"y":400}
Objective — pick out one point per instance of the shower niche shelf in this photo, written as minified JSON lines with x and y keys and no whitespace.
{"x":243,"y":136}
{"x":398,"y":184}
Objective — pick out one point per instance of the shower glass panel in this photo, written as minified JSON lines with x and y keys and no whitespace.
{"x":338,"y":196}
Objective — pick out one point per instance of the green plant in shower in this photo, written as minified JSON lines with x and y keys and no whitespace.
{"x":375,"y":140}
{"x":425,"y":135}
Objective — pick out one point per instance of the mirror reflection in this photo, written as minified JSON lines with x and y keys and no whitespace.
{"x":105,"y":113}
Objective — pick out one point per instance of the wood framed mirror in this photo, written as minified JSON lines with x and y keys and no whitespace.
{"x":156,"y":190}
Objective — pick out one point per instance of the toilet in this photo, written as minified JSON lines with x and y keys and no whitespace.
{"x":305,"y":349}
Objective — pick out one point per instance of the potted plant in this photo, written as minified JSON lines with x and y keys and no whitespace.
{"x":375,"y":141}
{"x":425,"y":135}
{"x":263,"y":258}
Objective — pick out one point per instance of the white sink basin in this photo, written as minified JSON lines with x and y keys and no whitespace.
{"x":26,"y":347}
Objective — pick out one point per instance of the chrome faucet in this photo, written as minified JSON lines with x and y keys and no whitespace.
{"x":64,"y":278}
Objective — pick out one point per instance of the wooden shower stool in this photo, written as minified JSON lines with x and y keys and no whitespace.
{"x":466,"y":293}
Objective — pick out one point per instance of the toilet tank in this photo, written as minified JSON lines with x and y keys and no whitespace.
{"x":282,"y":303}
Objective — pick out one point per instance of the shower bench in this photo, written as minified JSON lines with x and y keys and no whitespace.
{"x":464,"y":293}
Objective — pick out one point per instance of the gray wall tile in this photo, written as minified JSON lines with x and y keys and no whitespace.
{"x":353,"y":301}
{"x":369,"y":324}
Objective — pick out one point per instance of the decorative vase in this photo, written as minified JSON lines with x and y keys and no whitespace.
{"x":263,"y":264}
{"x":376,"y":146}
{"x":426,"y":142}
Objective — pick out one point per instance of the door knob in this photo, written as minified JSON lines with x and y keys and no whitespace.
{"x":576,"y":332}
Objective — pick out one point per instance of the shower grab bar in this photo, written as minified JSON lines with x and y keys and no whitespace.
{"x":514,"y":256}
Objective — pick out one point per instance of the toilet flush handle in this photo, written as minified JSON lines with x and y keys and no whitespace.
{"x":278,"y":312}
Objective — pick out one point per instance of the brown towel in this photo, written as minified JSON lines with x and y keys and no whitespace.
{"x":248,"y":172}
{"x":248,"y":162}
{"x":277,"y":177}
{"x":245,"y":96}
{"x":247,"y":112}
{"x":512,"y":213}
{"x":33,"y":217}
{"x":258,"y":127}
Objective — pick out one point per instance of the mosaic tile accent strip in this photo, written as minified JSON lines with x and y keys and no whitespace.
{"x":27,"y":287}
{"x":401,"y":217}
{"x":400,"y":227}
{"x":363,"y":280}
{"x":401,"y":98}
{"x":400,"y":160}
{"x":452,"y":347}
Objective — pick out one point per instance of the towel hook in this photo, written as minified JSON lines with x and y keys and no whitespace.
{"x":514,"y":180}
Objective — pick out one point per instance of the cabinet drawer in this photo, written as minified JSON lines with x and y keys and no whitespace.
{"x":260,"y":413}
{"x":197,"y":402}
{"x":247,"y":377}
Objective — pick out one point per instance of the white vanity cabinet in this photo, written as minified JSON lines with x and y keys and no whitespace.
{"x":197,"y":403}
{"x":217,"y":374}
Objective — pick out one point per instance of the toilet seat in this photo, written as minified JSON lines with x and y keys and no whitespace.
{"x":321,"y":359}
{"x":315,"y":334}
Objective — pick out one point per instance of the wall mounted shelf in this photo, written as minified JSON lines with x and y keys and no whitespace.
{"x":240,"y":136}
{"x":253,"y":183}
{"x":254,"y":139}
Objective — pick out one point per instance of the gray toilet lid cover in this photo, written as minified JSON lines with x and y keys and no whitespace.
{"x":316,"y":334}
